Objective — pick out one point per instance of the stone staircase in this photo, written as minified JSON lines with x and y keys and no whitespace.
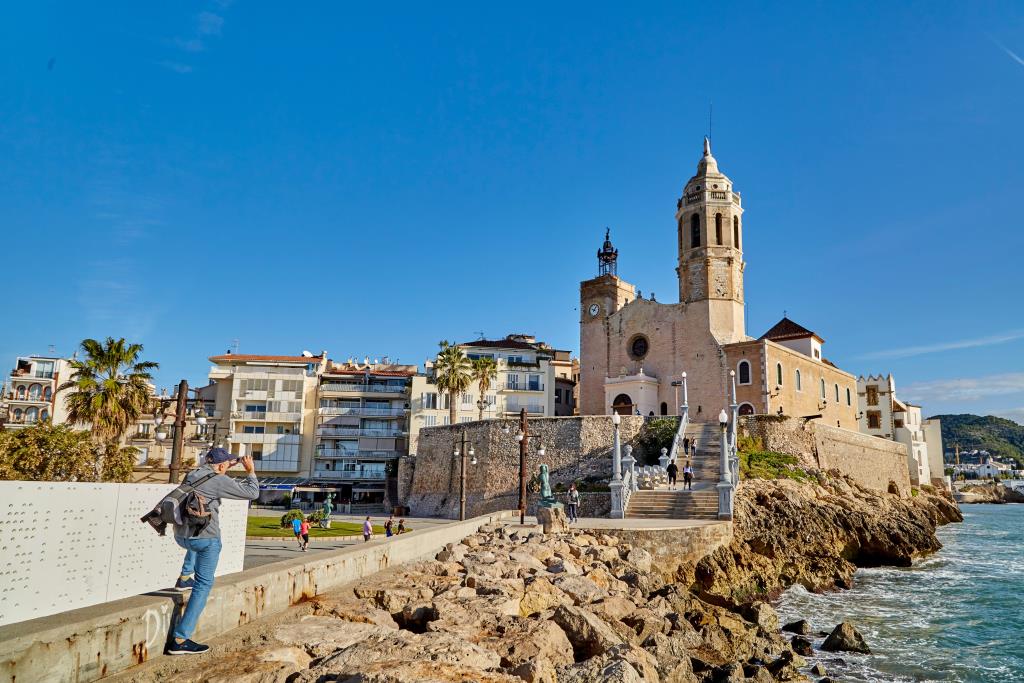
{"x":702,"y":501}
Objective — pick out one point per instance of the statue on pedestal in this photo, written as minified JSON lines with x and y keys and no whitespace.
{"x":547,"y":499}
{"x":327,"y":509}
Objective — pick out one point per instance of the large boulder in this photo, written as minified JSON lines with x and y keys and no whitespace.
{"x":542,"y":595}
{"x":589,"y":635}
{"x":845,"y":638}
{"x":800,"y":627}
{"x":552,"y":520}
{"x":351,"y":609}
{"x":521,"y":641}
{"x":581,"y":589}
{"x":322,"y":636}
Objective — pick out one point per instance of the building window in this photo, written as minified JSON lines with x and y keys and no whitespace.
{"x":17,"y":414}
{"x":465,"y":418}
{"x":623,"y":404}
{"x":848,"y":402}
{"x":47,"y":394}
{"x":558,"y":395}
{"x":34,"y":392}
{"x":664,"y":408}
{"x":822,"y":388}
{"x":533,"y":383}
{"x":638,"y":347}
{"x":430,"y":420}
{"x":736,"y":231}
{"x":874,"y":419}
{"x":467,"y":399}
{"x":256,"y":452}
{"x":21,"y":392}
{"x":872,"y":394}
{"x":799,"y":382}
{"x":746,"y":409}
{"x":429,"y":401}
{"x":744,"y":372}
{"x":44,"y":414}
{"x":778,"y":374}
{"x":898,"y":423}
{"x":512,"y":381}
{"x":445,"y":419}
{"x":252,"y":429}
{"x":31,"y":415}
{"x":694,"y":231}
{"x":718,"y":229}
{"x":837,"y":393}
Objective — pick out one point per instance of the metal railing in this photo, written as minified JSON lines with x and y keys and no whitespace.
{"x":351,"y":453}
{"x":530,"y":410}
{"x":524,"y":386}
{"x":368,"y":388}
{"x":362,"y":410}
{"x":357,"y":431}
{"x":350,"y":474}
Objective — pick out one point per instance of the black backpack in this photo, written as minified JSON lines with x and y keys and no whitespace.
{"x":183,"y":506}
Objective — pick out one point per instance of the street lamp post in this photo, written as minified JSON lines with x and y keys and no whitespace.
{"x":466,"y":451}
{"x":523,"y":437}
{"x":180,"y":414}
{"x":724,"y":486}
{"x":616,"y":448}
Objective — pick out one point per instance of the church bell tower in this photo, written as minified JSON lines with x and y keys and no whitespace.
{"x":709,"y":220}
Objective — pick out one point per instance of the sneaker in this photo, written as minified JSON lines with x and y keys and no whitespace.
{"x":184,"y":584}
{"x":188,"y":647}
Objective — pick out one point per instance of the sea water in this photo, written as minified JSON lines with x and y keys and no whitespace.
{"x":957,"y":615}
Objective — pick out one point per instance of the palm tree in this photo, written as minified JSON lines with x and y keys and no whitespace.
{"x":111,"y":387}
{"x":485,"y":370}
{"x":453,"y":375}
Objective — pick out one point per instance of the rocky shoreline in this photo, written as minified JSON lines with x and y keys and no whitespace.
{"x":509,"y":604}
{"x":988,"y":492}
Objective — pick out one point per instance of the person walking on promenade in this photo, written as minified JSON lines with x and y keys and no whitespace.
{"x":688,"y":476}
{"x":202,"y":549}
{"x":574,"y":503}
{"x":297,"y":530}
{"x":672,"y":471}
{"x":389,"y":526}
{"x":401,"y":526}
{"x":304,"y":530}
{"x":367,"y":530}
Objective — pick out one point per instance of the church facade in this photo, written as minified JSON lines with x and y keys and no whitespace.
{"x":633,"y":350}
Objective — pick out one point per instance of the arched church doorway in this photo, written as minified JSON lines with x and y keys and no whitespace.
{"x":664,"y":408}
{"x":623,"y":404}
{"x":746,"y":409}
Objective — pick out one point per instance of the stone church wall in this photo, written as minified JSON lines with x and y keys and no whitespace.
{"x":870,"y":461}
{"x":576,"y":449}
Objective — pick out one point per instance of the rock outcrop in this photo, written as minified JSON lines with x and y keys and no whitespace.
{"x":988,"y":492}
{"x":817,"y":534}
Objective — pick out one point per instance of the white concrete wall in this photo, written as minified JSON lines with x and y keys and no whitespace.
{"x":68,"y":545}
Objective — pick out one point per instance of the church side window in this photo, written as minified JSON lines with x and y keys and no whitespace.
{"x":736,"y":231}
{"x":799,"y":384}
{"x":718,"y":229}
{"x":837,"y":393}
{"x":694,"y":231}
{"x":744,"y":372}
{"x":778,"y":374}
{"x":848,"y":396}
{"x":822,"y":388}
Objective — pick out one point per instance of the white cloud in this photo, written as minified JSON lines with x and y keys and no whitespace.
{"x":964,"y":389}
{"x":176,"y":67}
{"x":210,"y":24}
{"x":908,"y":351}
{"x":1015,"y":414}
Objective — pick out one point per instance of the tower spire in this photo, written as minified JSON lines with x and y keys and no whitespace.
{"x":607,"y":256}
{"x":707,"y":146}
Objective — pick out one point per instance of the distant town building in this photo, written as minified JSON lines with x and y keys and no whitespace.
{"x":884,"y":415}
{"x":31,"y":394}
{"x":362,"y":428}
{"x":153,"y":434}
{"x":270,"y":407}
{"x":526,"y":380}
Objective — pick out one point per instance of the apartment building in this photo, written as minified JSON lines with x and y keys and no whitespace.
{"x":31,"y":394}
{"x":884,"y":415}
{"x":269,"y":404}
{"x":566,"y":374}
{"x":362,"y":428}
{"x":526,"y":380}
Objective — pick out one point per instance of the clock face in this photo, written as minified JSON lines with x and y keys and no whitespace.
{"x":594,"y":309}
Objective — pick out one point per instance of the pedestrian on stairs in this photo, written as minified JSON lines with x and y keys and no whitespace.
{"x":688,"y":476}
{"x":672,"y":471}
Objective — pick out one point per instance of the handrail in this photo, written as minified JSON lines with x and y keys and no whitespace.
{"x":677,"y":440}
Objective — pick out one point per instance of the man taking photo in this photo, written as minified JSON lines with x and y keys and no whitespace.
{"x":202,"y":550}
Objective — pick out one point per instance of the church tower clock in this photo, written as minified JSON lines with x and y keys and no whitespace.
{"x":600,"y":297}
{"x":709,"y":221}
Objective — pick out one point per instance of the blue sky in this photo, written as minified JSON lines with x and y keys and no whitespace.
{"x":187,"y":174}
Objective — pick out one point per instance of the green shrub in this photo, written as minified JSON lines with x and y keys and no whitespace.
{"x":655,"y":435}
{"x":286,"y":518}
{"x":757,"y":463}
{"x":914,"y":492}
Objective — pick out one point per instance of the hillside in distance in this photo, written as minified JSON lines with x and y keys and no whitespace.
{"x":997,"y":435}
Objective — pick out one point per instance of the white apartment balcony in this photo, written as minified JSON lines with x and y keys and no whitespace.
{"x":283,"y":439}
{"x":350,"y":453}
{"x":343,"y":475}
{"x":46,"y":376}
{"x":356,"y":431}
{"x":277,"y":465}
{"x":356,"y":388}
{"x":27,"y":400}
{"x":524,"y":386}
{"x":260,"y":416}
{"x":363,"y":410}
{"x":530,"y":409}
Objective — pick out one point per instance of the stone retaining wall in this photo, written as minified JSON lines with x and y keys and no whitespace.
{"x":576,"y":448}
{"x":872,"y":462}
{"x":90,"y":643}
{"x":675,"y":548}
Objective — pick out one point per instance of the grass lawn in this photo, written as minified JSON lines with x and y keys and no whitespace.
{"x":271,"y":527}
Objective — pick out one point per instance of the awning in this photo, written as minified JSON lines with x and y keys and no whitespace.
{"x":280,"y":483}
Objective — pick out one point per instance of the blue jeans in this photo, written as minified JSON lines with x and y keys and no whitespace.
{"x":201,"y":558}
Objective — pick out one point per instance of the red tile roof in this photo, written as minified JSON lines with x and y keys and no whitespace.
{"x":787,"y":329}
{"x":246,"y":358}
